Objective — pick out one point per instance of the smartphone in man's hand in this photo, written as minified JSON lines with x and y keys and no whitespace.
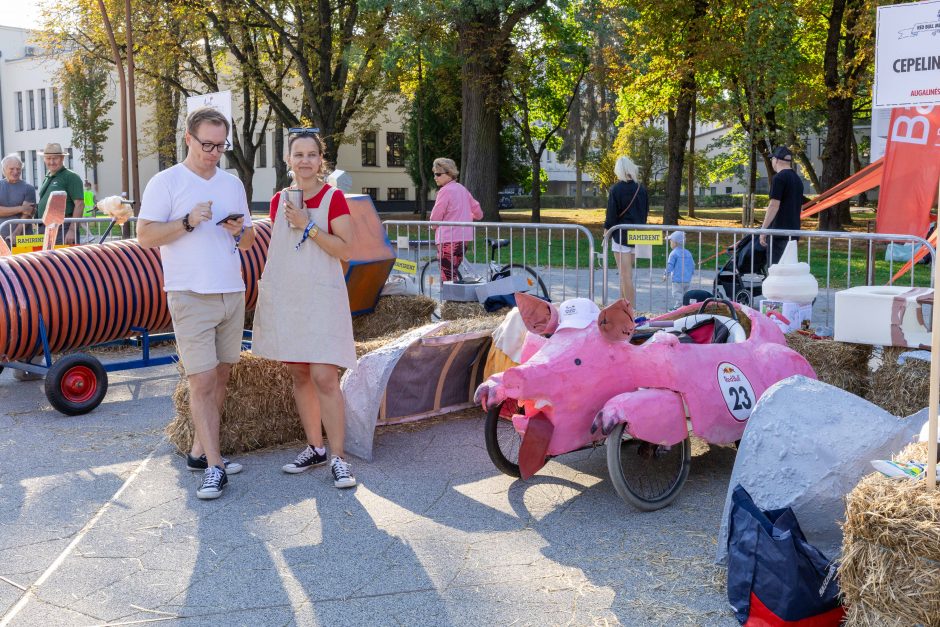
{"x":230,"y":218}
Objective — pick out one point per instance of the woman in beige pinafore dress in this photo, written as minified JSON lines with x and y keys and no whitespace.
{"x":302,"y":317}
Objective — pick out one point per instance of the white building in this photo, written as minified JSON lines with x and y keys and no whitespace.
{"x":31,"y":116}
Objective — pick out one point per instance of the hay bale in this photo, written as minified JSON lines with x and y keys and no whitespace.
{"x":452,"y":310}
{"x":890,"y":569}
{"x":840,"y":364}
{"x":901,"y":389}
{"x":259,"y":409}
{"x":394,"y":313}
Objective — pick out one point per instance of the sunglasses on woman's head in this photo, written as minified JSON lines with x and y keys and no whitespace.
{"x":301,"y":132}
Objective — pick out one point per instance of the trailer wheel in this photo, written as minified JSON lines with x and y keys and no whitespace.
{"x":76,"y":384}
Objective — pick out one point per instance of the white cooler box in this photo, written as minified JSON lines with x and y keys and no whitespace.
{"x":886,"y":315}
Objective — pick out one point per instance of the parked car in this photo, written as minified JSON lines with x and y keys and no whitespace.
{"x":505,"y":201}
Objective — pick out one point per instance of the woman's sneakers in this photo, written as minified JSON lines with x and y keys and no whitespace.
{"x":213,"y":482}
{"x":342,"y":473}
{"x":200,"y":463}
{"x":308,"y":458}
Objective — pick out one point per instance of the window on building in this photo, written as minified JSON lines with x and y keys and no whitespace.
{"x":31,"y":112}
{"x":395,"y":150}
{"x":728,"y":189}
{"x":371,"y":191}
{"x":397,"y":193}
{"x":712,"y":191}
{"x":19,"y":111}
{"x":369,"y":156}
{"x":262,"y":150}
{"x":32,"y":168}
{"x":42,"y":108}
{"x":70,"y":164}
{"x":55,"y":108}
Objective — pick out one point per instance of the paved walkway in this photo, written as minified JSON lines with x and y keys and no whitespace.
{"x":99,"y":523}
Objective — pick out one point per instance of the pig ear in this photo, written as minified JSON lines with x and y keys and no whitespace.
{"x":616,"y":321}
{"x":538,"y":316}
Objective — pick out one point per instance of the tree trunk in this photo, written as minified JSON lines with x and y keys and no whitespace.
{"x":422,"y":199}
{"x":856,"y":166}
{"x":481,"y":77}
{"x":691,"y":185}
{"x":132,"y":105}
{"x":576,"y":133}
{"x":536,"y":187}
{"x":281,"y":179}
{"x":836,"y":153}
{"x":678,"y":131}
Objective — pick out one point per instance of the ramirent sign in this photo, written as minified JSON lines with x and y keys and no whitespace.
{"x":907,"y":68}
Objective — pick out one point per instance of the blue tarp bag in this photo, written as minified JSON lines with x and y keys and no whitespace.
{"x":776,"y":577}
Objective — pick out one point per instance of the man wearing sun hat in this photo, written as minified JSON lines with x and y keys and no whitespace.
{"x":59,"y":178}
{"x":786,"y":200}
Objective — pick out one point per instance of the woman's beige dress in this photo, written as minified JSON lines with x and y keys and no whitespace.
{"x":302,"y":313}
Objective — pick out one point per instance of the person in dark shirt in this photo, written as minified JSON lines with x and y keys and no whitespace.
{"x":786,"y":200}
{"x":626,"y":204}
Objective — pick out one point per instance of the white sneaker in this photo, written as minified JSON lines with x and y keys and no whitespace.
{"x":342,"y":473}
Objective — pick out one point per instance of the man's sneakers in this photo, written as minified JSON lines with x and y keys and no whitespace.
{"x":306,"y":459}
{"x":213,"y":482}
{"x":342,"y":473}
{"x":200,"y":463}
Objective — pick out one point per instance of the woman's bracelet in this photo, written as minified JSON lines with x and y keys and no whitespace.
{"x":311,"y":226}
{"x":238,"y":238}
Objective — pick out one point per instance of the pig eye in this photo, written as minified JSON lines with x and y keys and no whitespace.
{"x":577,"y":362}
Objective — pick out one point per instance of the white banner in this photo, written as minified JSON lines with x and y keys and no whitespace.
{"x":907,"y":55}
{"x":221,"y":100}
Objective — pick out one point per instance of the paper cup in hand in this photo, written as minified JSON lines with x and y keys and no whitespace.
{"x":55,"y":209}
{"x":296,"y":197}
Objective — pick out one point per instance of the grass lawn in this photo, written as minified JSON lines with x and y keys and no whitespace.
{"x":847,"y":265}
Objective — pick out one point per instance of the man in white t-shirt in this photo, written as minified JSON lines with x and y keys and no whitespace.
{"x":198,"y":215}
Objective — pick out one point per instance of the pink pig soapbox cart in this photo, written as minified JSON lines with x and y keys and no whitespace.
{"x":589,"y":375}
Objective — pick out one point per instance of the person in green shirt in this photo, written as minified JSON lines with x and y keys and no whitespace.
{"x":60,"y":178}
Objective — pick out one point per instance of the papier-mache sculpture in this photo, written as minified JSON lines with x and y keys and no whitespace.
{"x":586,"y":373}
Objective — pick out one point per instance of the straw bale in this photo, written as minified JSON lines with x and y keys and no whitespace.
{"x":394,"y":313}
{"x":259,"y":409}
{"x":452,"y":310}
{"x":901,"y":389}
{"x":841,"y":364}
{"x":469,"y":325}
{"x":890,"y":568}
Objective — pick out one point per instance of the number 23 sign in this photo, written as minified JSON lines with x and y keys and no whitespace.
{"x":736,"y":390}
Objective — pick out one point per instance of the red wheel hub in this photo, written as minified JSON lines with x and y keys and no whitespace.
{"x":79,"y":384}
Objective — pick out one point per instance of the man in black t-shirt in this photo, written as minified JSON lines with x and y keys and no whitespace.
{"x":786,"y":200}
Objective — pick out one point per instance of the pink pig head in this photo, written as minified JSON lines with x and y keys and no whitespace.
{"x":577,"y":369}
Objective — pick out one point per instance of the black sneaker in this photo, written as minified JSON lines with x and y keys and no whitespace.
{"x":306,"y":459}
{"x":200,"y":463}
{"x":213,"y":481}
{"x":342,"y":473}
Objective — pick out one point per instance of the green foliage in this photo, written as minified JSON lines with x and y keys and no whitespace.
{"x":85,"y":102}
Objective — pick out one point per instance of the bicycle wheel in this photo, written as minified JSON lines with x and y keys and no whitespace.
{"x":647,"y":476}
{"x":502,"y":440}
{"x":536,"y":286}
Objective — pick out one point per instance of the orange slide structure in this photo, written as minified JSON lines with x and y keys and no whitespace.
{"x":86,"y":295}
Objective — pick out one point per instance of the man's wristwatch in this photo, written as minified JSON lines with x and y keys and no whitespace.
{"x":186,"y":225}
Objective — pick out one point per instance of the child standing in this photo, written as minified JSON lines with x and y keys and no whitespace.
{"x":680,"y":267}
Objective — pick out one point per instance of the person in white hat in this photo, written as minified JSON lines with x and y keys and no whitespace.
{"x":60,"y":178}
{"x":680,"y":267}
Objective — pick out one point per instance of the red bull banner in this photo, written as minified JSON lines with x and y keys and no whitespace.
{"x":911,"y":171}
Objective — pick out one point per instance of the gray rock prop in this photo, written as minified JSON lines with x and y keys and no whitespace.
{"x":806,"y":446}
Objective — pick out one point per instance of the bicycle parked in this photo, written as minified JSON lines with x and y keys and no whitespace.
{"x":430,"y":276}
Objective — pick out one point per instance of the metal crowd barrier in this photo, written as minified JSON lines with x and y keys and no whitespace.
{"x":90,"y":230}
{"x":556,"y":259}
{"x":838,"y":260}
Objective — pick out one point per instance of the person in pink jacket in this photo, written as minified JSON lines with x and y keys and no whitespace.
{"x":453,"y":204}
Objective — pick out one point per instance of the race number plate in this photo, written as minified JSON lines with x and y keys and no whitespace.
{"x":736,"y":390}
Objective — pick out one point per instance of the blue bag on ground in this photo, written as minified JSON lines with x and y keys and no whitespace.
{"x":776,"y":577}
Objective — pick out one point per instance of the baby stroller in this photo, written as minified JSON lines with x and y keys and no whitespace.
{"x":742,"y":276}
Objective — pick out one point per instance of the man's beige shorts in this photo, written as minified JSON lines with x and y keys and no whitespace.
{"x":208,"y":328}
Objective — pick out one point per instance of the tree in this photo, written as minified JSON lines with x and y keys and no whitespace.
{"x":484,"y":29}
{"x":548,"y":63}
{"x":84,"y":83}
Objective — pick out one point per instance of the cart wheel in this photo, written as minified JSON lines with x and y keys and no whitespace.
{"x":647,"y":476}
{"x":743,"y":297}
{"x":76,"y":384}
{"x":502,"y":440}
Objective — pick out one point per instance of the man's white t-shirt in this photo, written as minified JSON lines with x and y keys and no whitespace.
{"x":203,"y":261}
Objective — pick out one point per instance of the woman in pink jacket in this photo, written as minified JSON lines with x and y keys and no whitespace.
{"x":454,"y":204}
